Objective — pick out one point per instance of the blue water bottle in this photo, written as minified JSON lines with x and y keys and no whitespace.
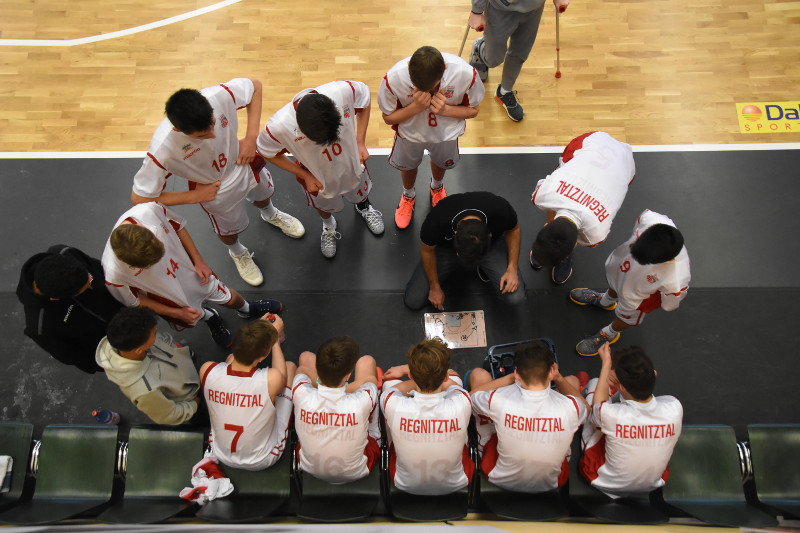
{"x":106,"y":417}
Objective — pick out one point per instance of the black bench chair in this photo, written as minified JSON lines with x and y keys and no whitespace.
{"x":15,"y":441}
{"x":775,"y":455}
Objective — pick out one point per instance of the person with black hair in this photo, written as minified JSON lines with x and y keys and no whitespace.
{"x":627,"y":444}
{"x":325,"y":128}
{"x":525,"y":428}
{"x":476,"y":230}
{"x":581,"y":198}
{"x":648,"y":271}
{"x":152,"y":371}
{"x":67,"y":306}
{"x":427,"y":99}
{"x":198,"y":141}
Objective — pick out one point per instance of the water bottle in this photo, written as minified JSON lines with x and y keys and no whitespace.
{"x":271,"y":318}
{"x":106,"y":417}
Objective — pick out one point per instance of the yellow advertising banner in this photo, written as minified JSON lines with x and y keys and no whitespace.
{"x":769,"y":117}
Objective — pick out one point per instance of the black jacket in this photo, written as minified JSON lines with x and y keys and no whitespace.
{"x":68,"y":329}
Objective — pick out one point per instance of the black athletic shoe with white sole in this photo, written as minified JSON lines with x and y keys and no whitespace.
{"x":219,"y":331}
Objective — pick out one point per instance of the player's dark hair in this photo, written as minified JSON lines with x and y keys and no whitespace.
{"x":131,"y":328}
{"x":318,"y":118}
{"x":471,"y":241}
{"x":60,"y":276}
{"x":336,"y":358}
{"x":426,"y":68}
{"x":428,"y":363}
{"x":635,"y":372}
{"x":555,"y":242}
{"x":253,"y":341}
{"x":658,"y":244}
{"x":533,"y":361}
{"x":189,"y":111}
{"x":136,"y":245}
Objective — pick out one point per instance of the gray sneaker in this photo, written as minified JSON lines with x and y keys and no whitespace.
{"x":373,"y":219}
{"x":589,"y":297}
{"x":591,"y":345}
{"x":509,"y":101}
{"x":328,"y":242}
{"x":476,"y":61}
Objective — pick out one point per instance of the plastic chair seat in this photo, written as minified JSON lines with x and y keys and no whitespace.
{"x":15,"y":441}
{"x":539,"y":507}
{"x":346,"y":502}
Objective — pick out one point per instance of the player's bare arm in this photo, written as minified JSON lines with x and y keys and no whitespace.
{"x":435,"y":293}
{"x":601,"y":392}
{"x":204,"y":192}
{"x":276,"y":378}
{"x":312,"y":184}
{"x":565,"y":387}
{"x":247,"y":145}
{"x":495,"y":384}
{"x":362,"y":122}
{"x":510,"y":282}
{"x":187,"y":314}
{"x":204,"y":272}
{"x":396,"y":372}
{"x":366,"y":371}
{"x":421,"y":102}
{"x":440,"y":107}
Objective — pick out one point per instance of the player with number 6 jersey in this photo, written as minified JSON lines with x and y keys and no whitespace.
{"x":426,"y":99}
{"x":325,"y":130}
{"x":198,"y":141}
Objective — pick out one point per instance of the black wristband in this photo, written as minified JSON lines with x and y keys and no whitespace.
{"x":481,"y":13}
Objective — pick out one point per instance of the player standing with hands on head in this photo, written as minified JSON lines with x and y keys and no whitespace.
{"x":511,"y":28}
{"x":198,"y":141}
{"x":326,"y":129}
{"x":426,"y":98}
{"x":581,"y":198}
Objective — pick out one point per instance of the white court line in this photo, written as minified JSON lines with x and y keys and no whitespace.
{"x":499,"y":150}
{"x":115,"y":34}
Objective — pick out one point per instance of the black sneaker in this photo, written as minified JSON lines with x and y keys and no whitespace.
{"x":563,"y":270}
{"x":482,"y":275}
{"x":534,"y":265}
{"x":509,"y":101}
{"x":260,"y":308}
{"x":219,"y":331}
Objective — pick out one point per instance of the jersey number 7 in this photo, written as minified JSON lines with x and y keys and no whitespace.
{"x":238,"y":430}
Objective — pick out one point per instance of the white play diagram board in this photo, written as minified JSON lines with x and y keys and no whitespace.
{"x":462,"y":329}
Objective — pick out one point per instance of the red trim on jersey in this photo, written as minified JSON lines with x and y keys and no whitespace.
{"x":386,"y":79}
{"x":130,"y":220}
{"x":214,"y":224}
{"x":574,"y":401}
{"x":353,"y":88}
{"x":392,"y":462}
{"x":387,"y":398}
{"x":175,"y":225}
{"x":257,"y":165}
{"x":205,"y":376}
{"x":665,"y":475}
{"x":573,"y":146}
{"x":651,"y":303}
{"x":373,"y":452}
{"x":359,"y":110}
{"x":593,"y":458}
{"x":474,"y":77}
{"x":297,"y":386}
{"x":490,"y":398}
{"x":113,"y":284}
{"x":465,"y":393}
{"x":467,"y":463}
{"x":271,"y":135}
{"x":563,"y":476}
{"x":490,"y":456}
{"x":151,"y":156}
{"x":633,"y":178}
{"x":533,"y":198}
{"x":239,"y":373}
{"x":229,"y":92}
{"x":465,"y":100}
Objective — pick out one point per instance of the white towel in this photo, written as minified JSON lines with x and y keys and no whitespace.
{"x":208,"y":482}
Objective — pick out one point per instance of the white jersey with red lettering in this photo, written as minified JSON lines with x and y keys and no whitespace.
{"x":460,"y":84}
{"x":647,"y":287}
{"x":173,"y":153}
{"x":337,"y":166}
{"x":428,"y":435}
{"x":627,"y":445}
{"x":333,"y":427}
{"x":589,"y":185}
{"x":173,"y":280}
{"x":534,"y":433}
{"x":247,"y":430}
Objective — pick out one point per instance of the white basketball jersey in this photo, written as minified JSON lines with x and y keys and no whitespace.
{"x":332,"y":426}
{"x":199,"y":160}
{"x":634,"y":282}
{"x":460,"y":84}
{"x":242,"y":417}
{"x":589,"y":185}
{"x":173,"y":280}
{"x":534,"y":434}
{"x":638,"y":442}
{"x":337,"y":166}
{"x":428,"y":433}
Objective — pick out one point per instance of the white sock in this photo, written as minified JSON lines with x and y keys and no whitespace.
{"x":207,"y":314}
{"x":609,"y":331}
{"x":607,"y":300}
{"x":245,"y":308}
{"x":269,"y":211}
{"x":410,"y":193}
{"x":437,"y":184}
{"x":236,"y":248}
{"x":329,"y":223}
{"x":503,"y":91}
